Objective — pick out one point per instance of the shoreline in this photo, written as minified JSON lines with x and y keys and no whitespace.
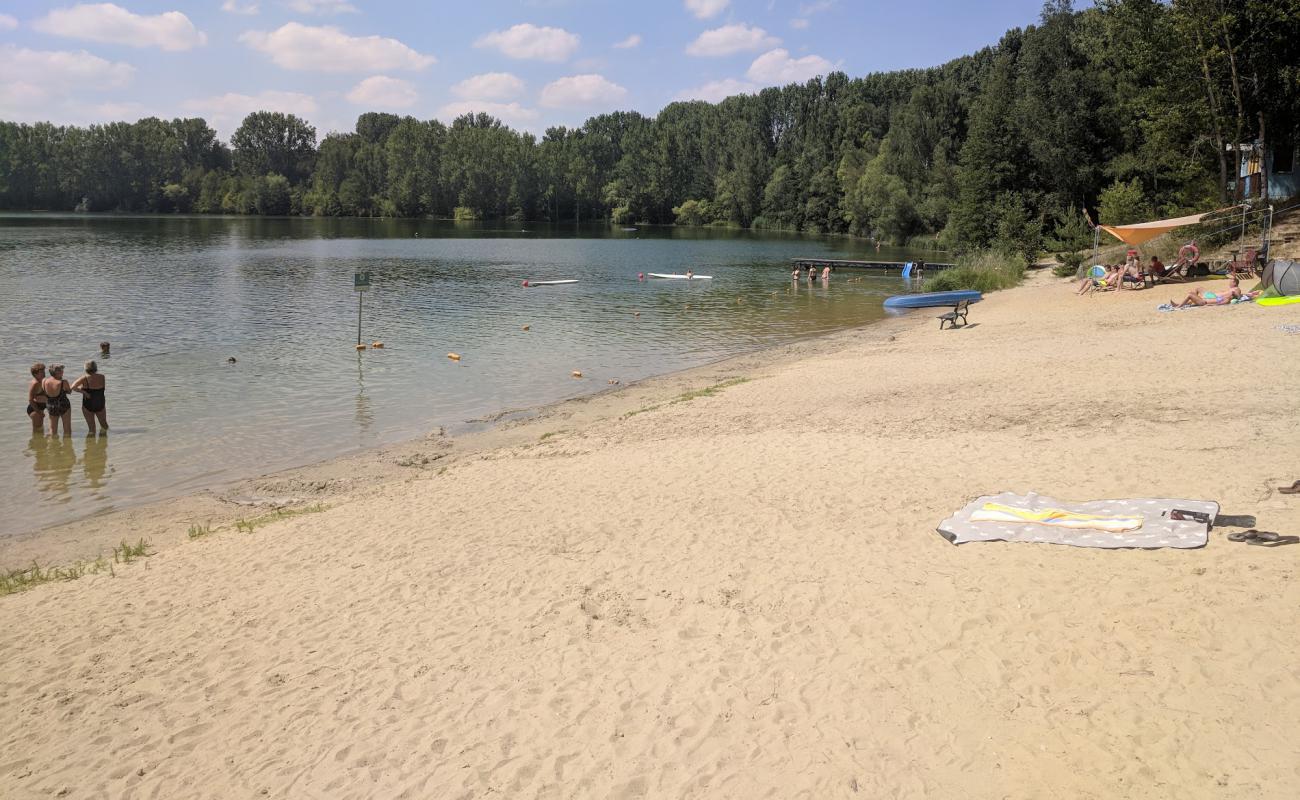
{"x":164,"y":523}
{"x":738,"y":594}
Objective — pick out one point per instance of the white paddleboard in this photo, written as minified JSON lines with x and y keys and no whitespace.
{"x":550,"y":283}
{"x":676,"y":277}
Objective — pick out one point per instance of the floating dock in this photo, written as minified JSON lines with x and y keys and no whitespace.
{"x":887,"y":266}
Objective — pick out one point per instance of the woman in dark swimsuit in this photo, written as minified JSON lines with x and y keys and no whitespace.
{"x":91,"y":385}
{"x":57,"y":405}
{"x":36,"y":398}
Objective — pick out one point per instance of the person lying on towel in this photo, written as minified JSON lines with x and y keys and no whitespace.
{"x":1198,"y":297}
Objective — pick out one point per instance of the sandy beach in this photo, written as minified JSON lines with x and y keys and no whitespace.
{"x":724,"y":583}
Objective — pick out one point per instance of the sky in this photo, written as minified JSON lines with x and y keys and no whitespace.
{"x":532,"y":63}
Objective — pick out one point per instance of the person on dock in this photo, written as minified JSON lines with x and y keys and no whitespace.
{"x":57,"y":405}
{"x":36,"y":397}
{"x":91,"y":385}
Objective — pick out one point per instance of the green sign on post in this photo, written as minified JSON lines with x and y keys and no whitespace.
{"x":360,"y":284}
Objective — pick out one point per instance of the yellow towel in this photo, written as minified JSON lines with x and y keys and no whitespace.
{"x":1056,"y":517}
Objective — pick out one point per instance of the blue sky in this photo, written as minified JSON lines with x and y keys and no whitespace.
{"x":533,"y":63}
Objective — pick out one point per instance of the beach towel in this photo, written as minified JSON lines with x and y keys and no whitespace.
{"x":1055,"y":517}
{"x":1156,"y":530}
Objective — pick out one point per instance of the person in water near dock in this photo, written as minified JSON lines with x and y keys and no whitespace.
{"x":91,"y":385}
{"x":58,"y":407}
{"x":36,"y":397}
{"x":103,"y":349}
{"x":826,"y":273}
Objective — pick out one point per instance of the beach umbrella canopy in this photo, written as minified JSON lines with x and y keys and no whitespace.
{"x":1141,"y":232}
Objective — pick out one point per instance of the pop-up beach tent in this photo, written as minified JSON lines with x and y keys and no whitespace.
{"x":1282,"y":277}
{"x":1142,"y":232}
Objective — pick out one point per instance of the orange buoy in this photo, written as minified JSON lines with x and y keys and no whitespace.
{"x":576,"y":373}
{"x":376,"y":345}
{"x":454,"y":356}
{"x":526,"y":327}
{"x":636,"y":313}
{"x":361,"y":347}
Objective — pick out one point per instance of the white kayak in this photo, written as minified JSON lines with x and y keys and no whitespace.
{"x":676,"y":277}
{"x":550,"y":283}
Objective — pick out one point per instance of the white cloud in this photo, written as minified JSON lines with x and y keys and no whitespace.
{"x":234,"y":7}
{"x":224,"y":112}
{"x":489,"y":86}
{"x":777,"y":67}
{"x":383,"y":92}
{"x":716,"y":91}
{"x":806,"y":10}
{"x":106,"y":22}
{"x":328,"y":49}
{"x":39,"y":76}
{"x":632,"y":41}
{"x":321,"y":6}
{"x":511,"y":113}
{"x":581,"y":91}
{"x":704,"y":9}
{"x":118,"y":111}
{"x":7,"y":23}
{"x":731,"y":39}
{"x":529,"y":41}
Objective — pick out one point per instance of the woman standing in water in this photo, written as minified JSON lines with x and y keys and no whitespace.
{"x":57,"y":405}
{"x":36,"y":397}
{"x":91,"y":385}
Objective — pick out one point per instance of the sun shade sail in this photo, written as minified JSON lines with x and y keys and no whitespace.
{"x":1146,"y":231}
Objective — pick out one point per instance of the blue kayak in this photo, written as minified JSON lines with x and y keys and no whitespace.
{"x":932,"y":299}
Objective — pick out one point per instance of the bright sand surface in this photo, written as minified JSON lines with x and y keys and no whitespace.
{"x":736,"y":595}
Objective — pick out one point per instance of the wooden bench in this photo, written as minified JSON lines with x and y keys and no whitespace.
{"x":959,"y":311}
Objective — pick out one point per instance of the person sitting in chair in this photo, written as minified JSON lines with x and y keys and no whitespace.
{"x":1188,"y":255}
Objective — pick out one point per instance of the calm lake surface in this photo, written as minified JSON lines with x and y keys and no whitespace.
{"x":176,"y":296}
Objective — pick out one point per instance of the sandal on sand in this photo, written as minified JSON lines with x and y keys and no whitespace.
{"x":1275,"y":541}
{"x":1292,"y":489}
{"x":1251,"y":535}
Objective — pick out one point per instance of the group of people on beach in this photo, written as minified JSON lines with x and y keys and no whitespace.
{"x":1132,"y":272}
{"x":49,"y":397}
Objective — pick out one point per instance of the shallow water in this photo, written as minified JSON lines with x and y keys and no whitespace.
{"x":176,"y":296}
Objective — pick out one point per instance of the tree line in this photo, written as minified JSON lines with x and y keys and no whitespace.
{"x":1129,"y":108}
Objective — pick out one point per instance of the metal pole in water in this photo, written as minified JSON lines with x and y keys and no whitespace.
{"x":359,"y":296}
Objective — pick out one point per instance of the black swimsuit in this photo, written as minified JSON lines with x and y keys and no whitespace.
{"x":93,"y":399}
{"x":58,"y":405}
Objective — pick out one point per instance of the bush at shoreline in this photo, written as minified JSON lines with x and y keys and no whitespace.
{"x":982,"y":271}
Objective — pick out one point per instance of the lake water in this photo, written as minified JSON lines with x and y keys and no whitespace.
{"x":177,"y":296}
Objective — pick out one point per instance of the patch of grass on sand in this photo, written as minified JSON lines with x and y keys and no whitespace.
{"x":17,"y":580}
{"x":125,"y":552}
{"x":249,"y":525}
{"x":709,"y":391}
{"x":197,"y":531}
{"x":549,"y":434}
{"x":686,"y":397}
{"x":630,"y":414}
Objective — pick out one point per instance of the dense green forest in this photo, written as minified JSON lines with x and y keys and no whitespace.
{"x":1127,"y":108}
